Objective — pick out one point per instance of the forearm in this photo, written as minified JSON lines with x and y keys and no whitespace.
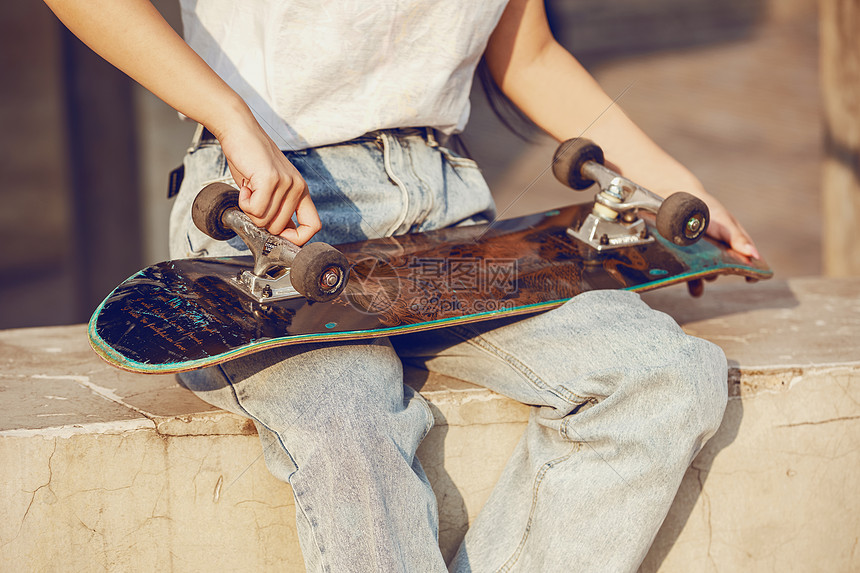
{"x":547,"y":84}
{"x":560,"y":96}
{"x":578,"y":106}
{"x":133,"y":36}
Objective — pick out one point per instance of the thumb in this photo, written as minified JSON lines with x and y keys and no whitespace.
{"x":244,"y":190}
{"x":244,"y":195}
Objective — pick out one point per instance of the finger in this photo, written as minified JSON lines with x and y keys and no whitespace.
{"x":283,"y":219}
{"x":748,"y":249}
{"x":730,"y":232}
{"x":265,"y":199}
{"x":741,"y":242}
{"x":245,"y":193}
{"x":308,"y":221}
{"x":290,"y":197}
{"x":259,"y":199}
{"x":250,"y":199}
{"x":245,"y":202}
{"x":244,"y":205}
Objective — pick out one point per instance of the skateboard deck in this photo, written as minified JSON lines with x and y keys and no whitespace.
{"x":186,"y":314}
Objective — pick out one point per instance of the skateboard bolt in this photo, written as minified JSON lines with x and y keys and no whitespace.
{"x":694,"y":224}
{"x":267,"y":291}
{"x":330,"y":278}
{"x":604,"y":239}
{"x":616,"y":190}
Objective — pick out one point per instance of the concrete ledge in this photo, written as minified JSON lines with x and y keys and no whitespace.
{"x":105,"y":470}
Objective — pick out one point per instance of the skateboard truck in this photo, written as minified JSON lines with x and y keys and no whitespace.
{"x":614,"y":221}
{"x":282,"y":270}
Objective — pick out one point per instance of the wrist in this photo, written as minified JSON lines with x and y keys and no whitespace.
{"x":228,"y":114}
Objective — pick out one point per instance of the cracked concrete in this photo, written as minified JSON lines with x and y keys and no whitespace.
{"x":774,"y":489}
{"x":105,"y":470}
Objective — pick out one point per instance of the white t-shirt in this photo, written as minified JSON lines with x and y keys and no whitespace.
{"x":316,"y":72}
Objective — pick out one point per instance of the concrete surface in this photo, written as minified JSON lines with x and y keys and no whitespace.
{"x":105,"y":470}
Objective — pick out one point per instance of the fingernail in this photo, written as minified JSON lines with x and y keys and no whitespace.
{"x":753,"y":252}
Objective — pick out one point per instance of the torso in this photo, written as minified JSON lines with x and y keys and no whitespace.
{"x":317,"y":72}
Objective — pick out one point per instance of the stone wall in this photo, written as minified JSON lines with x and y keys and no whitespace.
{"x":105,"y":470}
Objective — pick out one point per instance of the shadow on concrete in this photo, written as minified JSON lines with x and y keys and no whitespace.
{"x":728,"y":296}
{"x":453,"y":514}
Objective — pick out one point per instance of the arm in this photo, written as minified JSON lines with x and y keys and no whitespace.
{"x":132,"y":35}
{"x":525,"y":59}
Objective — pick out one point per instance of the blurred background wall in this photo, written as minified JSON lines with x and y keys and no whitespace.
{"x":730,"y":87}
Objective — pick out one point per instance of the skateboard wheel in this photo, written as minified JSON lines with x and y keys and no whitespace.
{"x":696,"y":287}
{"x":319,"y":272}
{"x":209,"y":207}
{"x":569,"y":158}
{"x":683,"y":218}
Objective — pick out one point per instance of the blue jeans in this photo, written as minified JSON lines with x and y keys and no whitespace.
{"x":622,"y":398}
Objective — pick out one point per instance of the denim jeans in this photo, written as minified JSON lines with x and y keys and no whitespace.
{"x":621,"y":398}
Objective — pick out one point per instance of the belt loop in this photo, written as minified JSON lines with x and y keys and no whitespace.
{"x":195,"y":141}
{"x":386,"y":140}
{"x":430,"y":136}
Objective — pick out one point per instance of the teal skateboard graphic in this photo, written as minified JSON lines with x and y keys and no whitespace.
{"x":192,"y":313}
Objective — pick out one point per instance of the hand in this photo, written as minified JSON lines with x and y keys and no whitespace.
{"x":724,"y":227}
{"x":271,"y":190}
{"x":670,"y":176}
{"x":133,"y":36}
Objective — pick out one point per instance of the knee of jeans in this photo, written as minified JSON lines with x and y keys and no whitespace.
{"x":701,"y":391}
{"x":362,"y":390}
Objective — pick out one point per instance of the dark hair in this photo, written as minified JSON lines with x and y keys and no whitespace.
{"x":509,"y":114}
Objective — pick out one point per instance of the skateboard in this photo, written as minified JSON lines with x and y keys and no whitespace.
{"x":192,"y":313}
